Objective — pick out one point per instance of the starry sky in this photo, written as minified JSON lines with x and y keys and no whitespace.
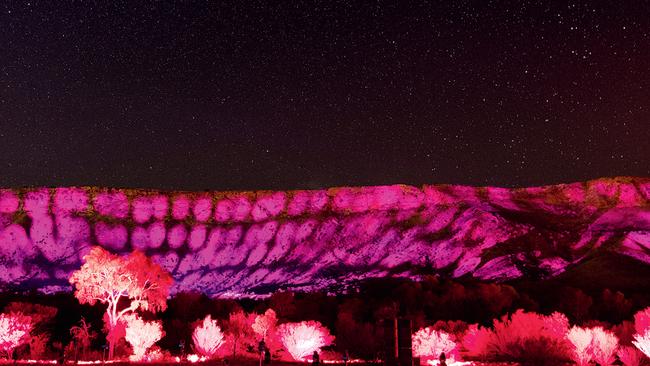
{"x":283,"y":95}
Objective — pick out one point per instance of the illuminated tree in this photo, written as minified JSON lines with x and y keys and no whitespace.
{"x":265,"y":322}
{"x":239,"y":329}
{"x":14,"y":331}
{"x":82,"y":335}
{"x":302,"y":339}
{"x":111,"y":279}
{"x":207,"y":337}
{"x":429,"y":343}
{"x":41,"y":317}
{"x":141,"y":335}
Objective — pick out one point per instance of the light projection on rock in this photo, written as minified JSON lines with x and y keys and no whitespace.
{"x":253,"y":243}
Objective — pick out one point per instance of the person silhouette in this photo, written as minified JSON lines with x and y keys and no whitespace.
{"x":315,"y":358}
{"x":443,"y":359}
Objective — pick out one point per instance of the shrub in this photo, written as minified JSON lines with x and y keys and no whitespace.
{"x":302,"y":339}
{"x":630,"y":356}
{"x":524,"y":337}
{"x":207,"y":337}
{"x":592,"y":344}
{"x":429,"y":344}
{"x":141,"y":335}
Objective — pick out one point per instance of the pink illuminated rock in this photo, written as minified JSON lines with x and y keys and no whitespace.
{"x":157,"y":234}
{"x":8,"y":202}
{"x":180,"y":207}
{"x":142,"y":209}
{"x":68,"y":200}
{"x":176,"y":236}
{"x":268,"y":206}
{"x":160,"y":206}
{"x":111,"y":236}
{"x":197,"y":237}
{"x":324,"y":238}
{"x":202,"y":209}
{"x":113,"y":204}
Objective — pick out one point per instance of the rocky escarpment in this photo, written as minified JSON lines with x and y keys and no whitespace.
{"x":246,"y":243}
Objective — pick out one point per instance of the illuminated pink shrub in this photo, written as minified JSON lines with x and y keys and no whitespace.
{"x":642,"y":321}
{"x":521,"y":336}
{"x":580,"y":339}
{"x":642,"y":342}
{"x":592,"y":344}
{"x":428,"y":344}
{"x":207,"y":337}
{"x":302,"y":339}
{"x":14,"y":331}
{"x":630,"y":356}
{"x":141,"y":335}
{"x":265,"y":323}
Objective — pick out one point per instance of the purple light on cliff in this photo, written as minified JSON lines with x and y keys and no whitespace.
{"x":234,"y":243}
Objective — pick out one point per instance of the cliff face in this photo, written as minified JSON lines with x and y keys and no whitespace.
{"x":246,"y":243}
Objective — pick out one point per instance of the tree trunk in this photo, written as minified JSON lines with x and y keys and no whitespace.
{"x":111,"y":347}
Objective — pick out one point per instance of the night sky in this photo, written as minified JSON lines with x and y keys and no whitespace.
{"x":310,"y":94}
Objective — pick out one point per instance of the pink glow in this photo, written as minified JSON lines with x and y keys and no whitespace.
{"x":197,"y":237}
{"x":202,"y":209}
{"x":299,"y":203}
{"x":8,"y":202}
{"x":450,"y":228}
{"x":113,"y":204}
{"x":268,"y":206}
{"x":112,"y":236}
{"x":160,"y":206}
{"x":180,"y":207}
{"x":68,"y":200}
{"x":176,"y":236}
{"x":241,"y":209}
{"x":142,"y":209}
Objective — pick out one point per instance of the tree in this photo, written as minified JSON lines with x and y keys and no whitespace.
{"x":302,"y":339}
{"x":429,"y":343}
{"x":111,"y":279}
{"x":265,"y":322}
{"x":141,"y":335}
{"x":82,"y":335}
{"x":42,"y":317}
{"x":14,"y":331}
{"x":239,"y":328}
{"x":207,"y":337}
